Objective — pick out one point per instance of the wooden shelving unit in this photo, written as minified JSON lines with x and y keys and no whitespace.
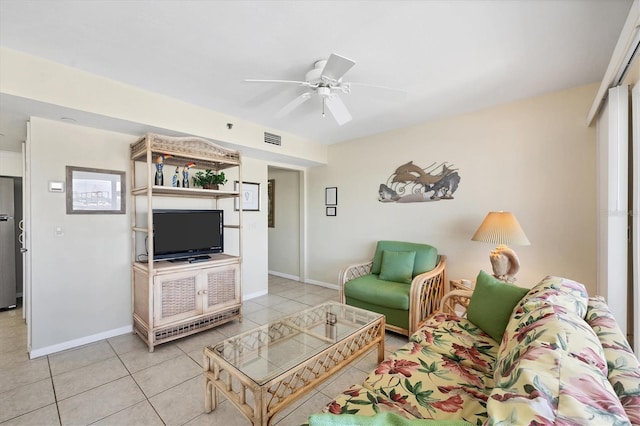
{"x":172,"y":300}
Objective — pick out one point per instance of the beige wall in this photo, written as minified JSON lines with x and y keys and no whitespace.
{"x":10,"y":163}
{"x":81,"y":281}
{"x":254,"y":233}
{"x":535,"y":158}
{"x":284,"y":238}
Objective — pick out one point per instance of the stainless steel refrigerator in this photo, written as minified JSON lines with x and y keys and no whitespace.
{"x":7,"y":244}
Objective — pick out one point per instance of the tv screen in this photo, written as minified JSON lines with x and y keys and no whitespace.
{"x":185,"y":234}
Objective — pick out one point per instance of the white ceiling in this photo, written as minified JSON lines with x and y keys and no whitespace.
{"x":450,"y":57}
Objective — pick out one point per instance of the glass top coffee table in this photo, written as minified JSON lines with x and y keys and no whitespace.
{"x":263,"y":370}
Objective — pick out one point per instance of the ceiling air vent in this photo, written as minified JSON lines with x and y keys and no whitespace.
{"x":272,"y":139}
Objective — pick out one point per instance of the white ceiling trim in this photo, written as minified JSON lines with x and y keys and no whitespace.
{"x":627,"y":45}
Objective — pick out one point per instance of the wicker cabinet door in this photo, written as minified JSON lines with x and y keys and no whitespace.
{"x":176,"y":297}
{"x":222,"y":287}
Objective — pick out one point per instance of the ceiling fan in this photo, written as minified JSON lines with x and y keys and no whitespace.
{"x":324,"y":80}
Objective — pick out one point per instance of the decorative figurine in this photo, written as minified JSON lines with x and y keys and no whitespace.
{"x":185,"y":174}
{"x":175,"y":182}
{"x":159,"y":165}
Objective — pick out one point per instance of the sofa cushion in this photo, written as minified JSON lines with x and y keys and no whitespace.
{"x":397,"y":266}
{"x":371,"y":289}
{"x":364,"y":402}
{"x":623,"y":368}
{"x":586,"y":396}
{"x":430,"y":385}
{"x":395,"y":317}
{"x":546,"y":381}
{"x":570,"y":295}
{"x":550,"y":367}
{"x":526,"y":393}
{"x":426,"y":255}
{"x":491,"y":304}
{"x":459,"y":339}
{"x":550,"y":297}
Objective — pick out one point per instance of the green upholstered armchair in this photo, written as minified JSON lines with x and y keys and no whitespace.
{"x":404,"y":281}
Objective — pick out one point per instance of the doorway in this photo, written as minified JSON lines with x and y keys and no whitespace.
{"x":285,"y":235}
{"x":11,"y":219}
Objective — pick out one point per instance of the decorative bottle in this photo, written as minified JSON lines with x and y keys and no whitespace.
{"x":330,"y":329}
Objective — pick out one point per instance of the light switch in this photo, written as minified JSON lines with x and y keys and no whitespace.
{"x":59,"y":231}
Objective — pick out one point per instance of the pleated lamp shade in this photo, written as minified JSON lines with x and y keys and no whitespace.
{"x":501,"y":228}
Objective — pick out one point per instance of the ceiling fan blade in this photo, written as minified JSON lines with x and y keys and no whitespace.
{"x":297,"y":83}
{"x":293,"y":104}
{"x":391,"y":90}
{"x":338,"y":109}
{"x":336,"y":67}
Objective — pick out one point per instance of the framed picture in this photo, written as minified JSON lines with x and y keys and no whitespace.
{"x":250,"y":196}
{"x":271,"y":198}
{"x":331,"y":196}
{"x":95,"y":191}
{"x":331,"y":211}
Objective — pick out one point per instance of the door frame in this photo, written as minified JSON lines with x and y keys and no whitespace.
{"x":302,"y":209}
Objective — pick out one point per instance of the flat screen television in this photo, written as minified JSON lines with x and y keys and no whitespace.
{"x":187,"y":234}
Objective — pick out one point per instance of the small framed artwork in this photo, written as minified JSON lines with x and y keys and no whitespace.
{"x":331,"y":196}
{"x":271,"y":203}
{"x":250,"y":196}
{"x":95,"y":191}
{"x":331,"y":211}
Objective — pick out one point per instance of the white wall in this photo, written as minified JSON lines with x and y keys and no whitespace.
{"x":10,"y":163}
{"x":535,"y":158}
{"x":81,"y":282}
{"x":254,"y":234}
{"x":284,"y":238}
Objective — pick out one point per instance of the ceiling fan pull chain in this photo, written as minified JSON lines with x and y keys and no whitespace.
{"x":324,"y":100}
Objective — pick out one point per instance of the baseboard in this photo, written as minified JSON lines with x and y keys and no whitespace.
{"x":283,"y":275}
{"x":307,"y":281}
{"x":322,"y":284}
{"x":254,"y":295}
{"x":36,"y":353}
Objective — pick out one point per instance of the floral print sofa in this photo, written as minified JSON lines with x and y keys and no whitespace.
{"x":562,"y":360}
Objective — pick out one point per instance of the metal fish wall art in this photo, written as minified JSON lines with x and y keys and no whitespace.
{"x":410,"y":183}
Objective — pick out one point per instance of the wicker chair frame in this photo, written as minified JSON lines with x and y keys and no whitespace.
{"x":427,"y":289}
{"x":456,"y":302}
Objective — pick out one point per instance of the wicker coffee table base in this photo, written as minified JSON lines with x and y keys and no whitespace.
{"x":260,"y":403}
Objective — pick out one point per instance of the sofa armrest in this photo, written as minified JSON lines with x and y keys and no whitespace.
{"x":351,"y":272}
{"x":456,"y":302}
{"x":427,"y":290}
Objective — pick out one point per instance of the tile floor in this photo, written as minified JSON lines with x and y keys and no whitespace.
{"x":118,"y":382}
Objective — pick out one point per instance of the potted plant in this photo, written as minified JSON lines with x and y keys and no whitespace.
{"x":209,"y":180}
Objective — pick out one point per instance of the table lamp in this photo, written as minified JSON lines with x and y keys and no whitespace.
{"x":502,"y":228}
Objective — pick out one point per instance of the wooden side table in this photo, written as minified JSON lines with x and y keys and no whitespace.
{"x":461,"y":284}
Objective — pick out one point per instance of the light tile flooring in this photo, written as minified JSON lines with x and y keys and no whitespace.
{"x":118,"y":382}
